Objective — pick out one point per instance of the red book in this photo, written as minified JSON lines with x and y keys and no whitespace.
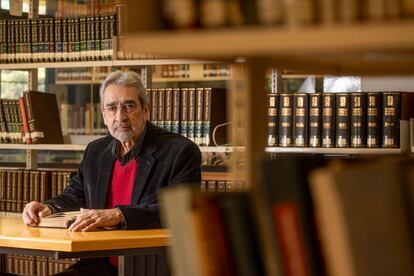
{"x":25,"y":123}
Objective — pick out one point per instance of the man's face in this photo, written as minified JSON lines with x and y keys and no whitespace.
{"x":123,"y":114}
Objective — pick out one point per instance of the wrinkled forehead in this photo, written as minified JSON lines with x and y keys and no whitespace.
{"x":119,"y":94}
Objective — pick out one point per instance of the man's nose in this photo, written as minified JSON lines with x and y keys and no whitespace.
{"x":120,"y":114}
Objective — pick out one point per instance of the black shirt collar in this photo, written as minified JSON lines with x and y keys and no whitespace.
{"x":133,"y":153}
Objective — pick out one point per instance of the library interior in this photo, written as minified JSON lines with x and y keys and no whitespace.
{"x":302,"y":111}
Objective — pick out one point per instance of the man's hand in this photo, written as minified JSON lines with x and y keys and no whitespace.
{"x":91,"y":219}
{"x":33,"y":211}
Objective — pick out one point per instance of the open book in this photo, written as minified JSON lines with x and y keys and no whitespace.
{"x":59,"y":220}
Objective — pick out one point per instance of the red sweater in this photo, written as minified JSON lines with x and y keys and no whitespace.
{"x":121,"y":189}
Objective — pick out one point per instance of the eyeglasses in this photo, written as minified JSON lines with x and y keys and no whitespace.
{"x":126,"y":107}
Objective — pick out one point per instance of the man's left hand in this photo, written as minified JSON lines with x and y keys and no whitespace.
{"x":91,"y":219}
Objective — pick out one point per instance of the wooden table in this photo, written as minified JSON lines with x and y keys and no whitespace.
{"x":17,"y":238}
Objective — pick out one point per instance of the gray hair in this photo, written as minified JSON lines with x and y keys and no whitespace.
{"x":128,"y":78}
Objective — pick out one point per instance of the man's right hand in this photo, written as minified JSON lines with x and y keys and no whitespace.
{"x":33,"y":211}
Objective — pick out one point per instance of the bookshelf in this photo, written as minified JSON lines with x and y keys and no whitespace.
{"x":365,"y":49}
{"x":359,"y":48}
{"x":103,"y":63}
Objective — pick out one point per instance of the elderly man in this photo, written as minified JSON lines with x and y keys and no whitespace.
{"x":121,"y":174}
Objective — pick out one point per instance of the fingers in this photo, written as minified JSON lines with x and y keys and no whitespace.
{"x":45,"y":212}
{"x":30,"y":213}
{"x":90,"y":220}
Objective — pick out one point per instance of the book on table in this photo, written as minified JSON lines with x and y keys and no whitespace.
{"x":59,"y":220}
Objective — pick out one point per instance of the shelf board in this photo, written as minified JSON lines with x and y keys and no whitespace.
{"x":65,"y":82}
{"x":108,"y":63}
{"x":217,"y":176}
{"x":220,"y":149}
{"x":336,"y":49}
{"x":190,"y":79}
{"x":64,"y":147}
{"x":335,"y":151}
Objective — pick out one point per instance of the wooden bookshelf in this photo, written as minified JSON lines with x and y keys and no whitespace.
{"x":108,"y":63}
{"x":358,"y":49}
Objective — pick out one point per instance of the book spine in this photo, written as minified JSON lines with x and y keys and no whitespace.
{"x":203,"y":186}
{"x":18,"y":122}
{"x":211,"y":186}
{"x":6,"y":120}
{"x":25,"y":123}
{"x":358,"y":120}
{"x":97,"y":38}
{"x":191,"y":113}
{"x":19,"y":191}
{"x":286,"y":120}
{"x":315,"y":120}
{"x":300,"y":120}
{"x":328,"y":120}
{"x":391,"y":115}
{"x":207,"y":116}
{"x":154,"y":106}
{"x":198,"y":122}
{"x":49,"y":44}
{"x":9,"y":194}
{"x":42,"y":40}
{"x":342,"y":129}
{"x":161,"y":107}
{"x":3,"y":42}
{"x":90,"y":44}
{"x":45,"y":189}
{"x":30,"y":118}
{"x":175,"y":125}
{"x":168,"y":108}
{"x":3,"y":128}
{"x":82,"y":38}
{"x":272,"y":120}
{"x":58,"y":39}
{"x":18,"y":41}
{"x":34,"y":39}
{"x":65,"y":39}
{"x":28,"y":46}
{"x":373,"y":119}
{"x":11,"y":49}
{"x":52,"y":45}
{"x":184,"y":112}
{"x":26,"y":187}
{"x":3,"y":193}
{"x":287,"y":224}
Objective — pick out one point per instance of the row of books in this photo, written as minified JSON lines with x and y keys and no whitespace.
{"x":183,"y":71}
{"x":191,"y":112}
{"x":31,"y":265}
{"x":82,"y":119}
{"x":57,"y":39}
{"x":18,"y":187}
{"x":179,"y":14}
{"x":81,"y":75}
{"x":306,"y":217}
{"x":222,"y":186}
{"x":26,"y":120}
{"x":337,"y":119}
{"x":82,"y":7}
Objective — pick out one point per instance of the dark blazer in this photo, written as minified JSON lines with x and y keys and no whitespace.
{"x":165,"y":159}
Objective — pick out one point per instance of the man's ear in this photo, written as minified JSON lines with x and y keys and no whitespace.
{"x":146,"y":110}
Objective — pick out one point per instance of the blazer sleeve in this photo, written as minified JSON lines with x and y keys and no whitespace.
{"x":186,"y":168}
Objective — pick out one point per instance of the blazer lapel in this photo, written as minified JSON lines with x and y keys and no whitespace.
{"x":103,"y":179}
{"x":145,"y":164}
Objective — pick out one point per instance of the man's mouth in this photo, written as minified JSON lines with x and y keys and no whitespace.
{"x":122,"y":128}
